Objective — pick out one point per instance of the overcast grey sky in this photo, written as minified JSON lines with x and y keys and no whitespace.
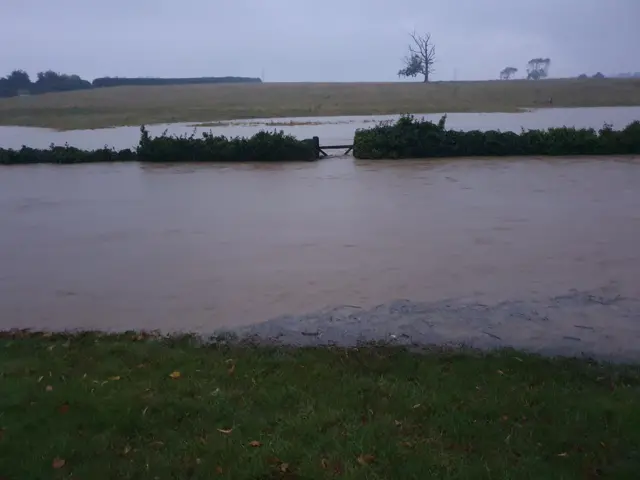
{"x":310,"y":40}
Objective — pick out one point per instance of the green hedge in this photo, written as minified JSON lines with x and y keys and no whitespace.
{"x":63,"y":155}
{"x":412,"y":138}
{"x":124,"y":81}
{"x":263,"y":146}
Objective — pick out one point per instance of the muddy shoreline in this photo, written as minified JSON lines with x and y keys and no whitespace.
{"x":599,"y":324}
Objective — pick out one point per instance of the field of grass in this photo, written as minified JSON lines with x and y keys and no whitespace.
{"x":205,"y":103}
{"x":132,"y":406}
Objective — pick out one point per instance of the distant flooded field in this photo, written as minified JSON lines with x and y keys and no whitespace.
{"x":331,"y":130}
{"x":115,"y":106}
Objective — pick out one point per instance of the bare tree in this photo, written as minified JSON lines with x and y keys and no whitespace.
{"x":422,"y":56}
{"x":507,"y":73}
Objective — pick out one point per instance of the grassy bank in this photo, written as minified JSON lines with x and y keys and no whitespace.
{"x":263,"y":146}
{"x":203,"y":103}
{"x":409,"y":137}
{"x":127,"y":406}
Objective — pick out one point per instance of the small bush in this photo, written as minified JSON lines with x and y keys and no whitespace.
{"x":412,"y":138}
{"x":263,"y":146}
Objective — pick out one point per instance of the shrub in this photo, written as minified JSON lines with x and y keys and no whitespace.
{"x":263,"y":146}
{"x":412,"y":138}
{"x":63,"y":155}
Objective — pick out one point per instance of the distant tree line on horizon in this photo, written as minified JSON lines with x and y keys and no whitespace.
{"x":537,"y":69}
{"x":421,"y":57}
{"x":583,"y":76}
{"x":18,"y":82}
{"x":139,"y":81}
{"x":628,"y":75}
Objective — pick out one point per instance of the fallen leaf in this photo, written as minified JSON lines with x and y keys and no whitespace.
{"x":417,"y":405}
{"x":175,"y":375}
{"x":255,"y":443}
{"x":563,"y":454}
{"x":225,"y":431}
{"x":49,"y":388}
{"x":114,"y":379}
{"x":398,"y":423}
{"x":64,"y":408}
{"x":284,"y":467}
{"x":58,"y":463}
{"x":219,"y":470}
{"x":198,"y":461}
{"x":232,"y":369}
{"x":500,"y":372}
{"x":505,"y":418}
{"x":366,"y":459}
{"x":324,"y":463}
{"x":40,"y":379}
{"x":126,"y":450}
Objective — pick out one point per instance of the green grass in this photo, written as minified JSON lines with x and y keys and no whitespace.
{"x":106,"y":107}
{"x":95,"y":406}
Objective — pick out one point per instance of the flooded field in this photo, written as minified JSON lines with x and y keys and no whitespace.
{"x":331,"y":130}
{"x":204,"y":246}
{"x":201,"y":247}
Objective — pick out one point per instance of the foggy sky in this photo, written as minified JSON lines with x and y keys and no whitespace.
{"x":310,"y":40}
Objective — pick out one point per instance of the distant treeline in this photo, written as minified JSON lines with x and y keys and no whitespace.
{"x":18,"y":82}
{"x":628,"y":75}
{"x":122,"y":81}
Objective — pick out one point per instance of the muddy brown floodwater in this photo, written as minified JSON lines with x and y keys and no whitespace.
{"x":200,"y":247}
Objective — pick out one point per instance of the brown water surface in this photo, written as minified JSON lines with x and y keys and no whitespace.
{"x":198,"y":247}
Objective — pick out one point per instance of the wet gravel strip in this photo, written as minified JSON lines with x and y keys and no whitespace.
{"x":597,"y":324}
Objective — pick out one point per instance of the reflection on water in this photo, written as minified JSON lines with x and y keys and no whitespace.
{"x":331,"y":130}
{"x":202,"y":246}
